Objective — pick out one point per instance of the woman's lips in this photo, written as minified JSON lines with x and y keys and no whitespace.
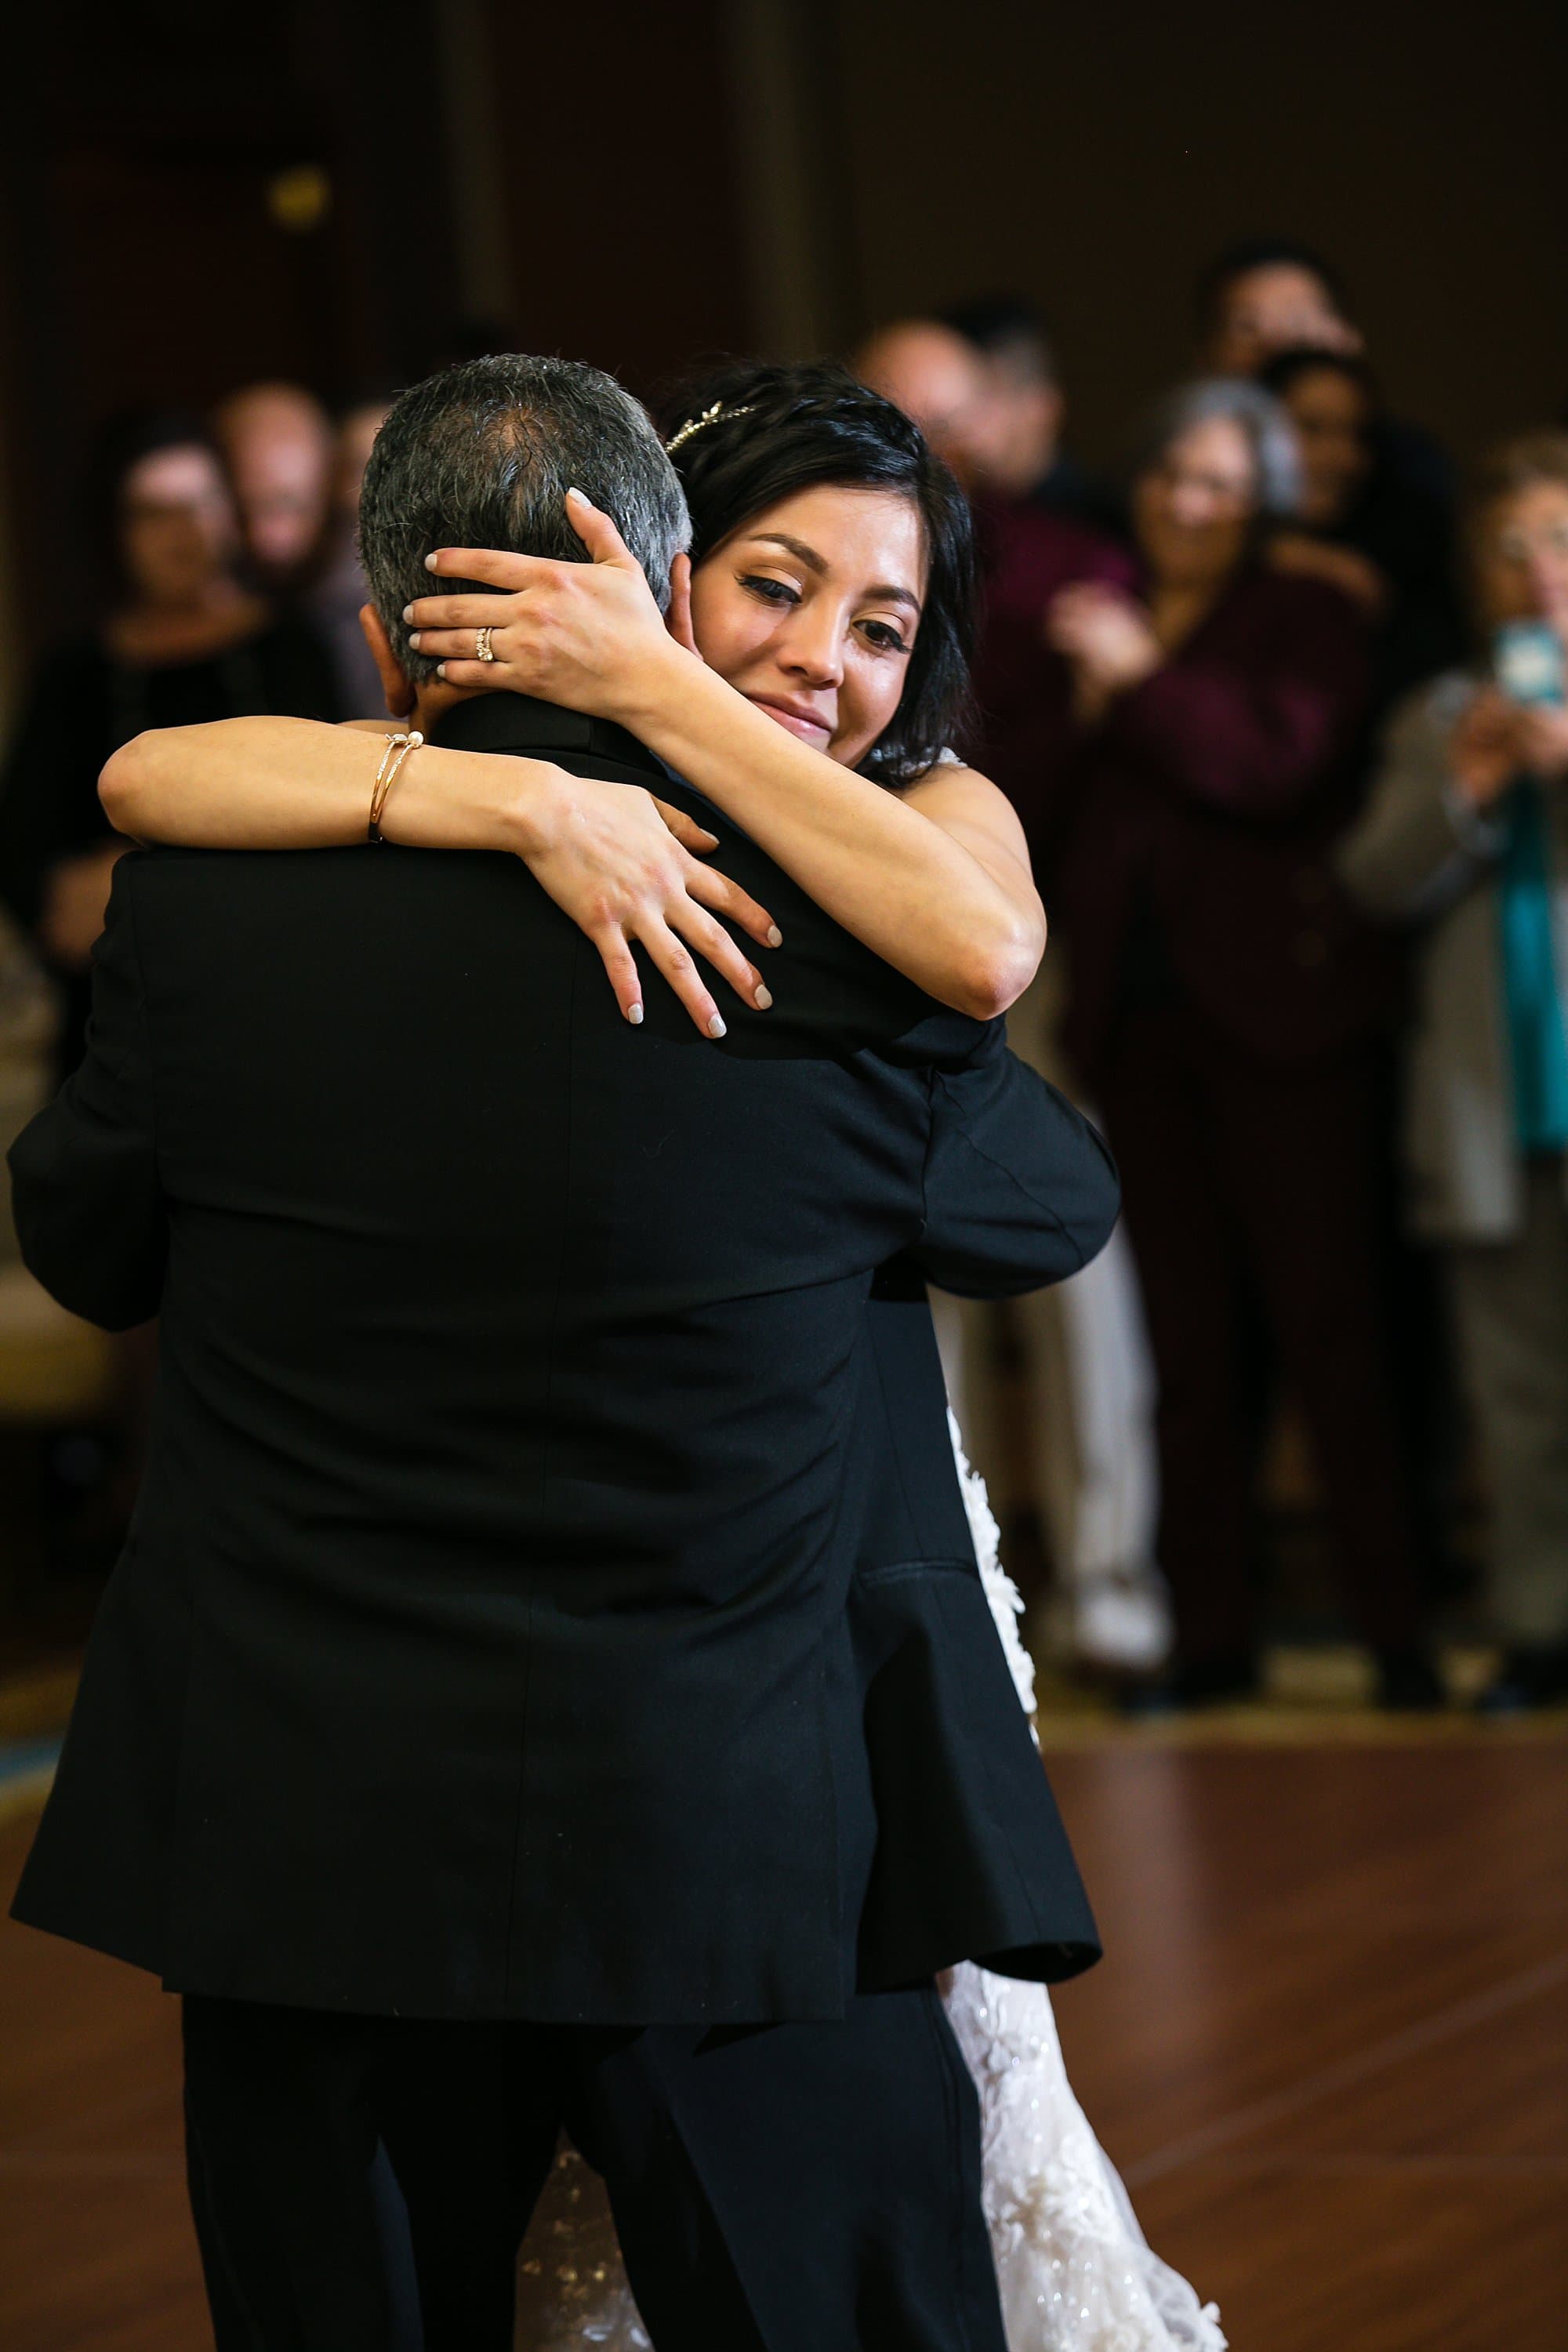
{"x":810,"y":730}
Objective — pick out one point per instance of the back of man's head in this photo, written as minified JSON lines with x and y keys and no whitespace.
{"x":483,"y":455}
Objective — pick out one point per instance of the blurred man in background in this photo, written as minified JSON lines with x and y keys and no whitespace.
{"x":332,"y":604}
{"x":1088,"y":1406}
{"x":279,"y":445}
{"x":1025,"y":456}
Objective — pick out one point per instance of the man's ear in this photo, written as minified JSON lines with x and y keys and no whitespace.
{"x":677,"y":619}
{"x":396,"y":682}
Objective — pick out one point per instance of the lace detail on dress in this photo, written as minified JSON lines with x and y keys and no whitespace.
{"x":1075,"y":2270}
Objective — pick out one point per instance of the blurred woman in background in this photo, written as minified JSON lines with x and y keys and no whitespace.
{"x":1467,"y":837}
{"x":1225,"y":1010}
{"x":181,"y":640}
{"x":1387,"y":540}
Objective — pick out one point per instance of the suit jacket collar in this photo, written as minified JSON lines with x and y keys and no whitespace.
{"x":522,"y":724}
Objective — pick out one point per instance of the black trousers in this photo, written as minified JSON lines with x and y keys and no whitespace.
{"x":800,"y":2187}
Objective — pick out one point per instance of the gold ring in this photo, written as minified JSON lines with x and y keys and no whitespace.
{"x":482,"y":651}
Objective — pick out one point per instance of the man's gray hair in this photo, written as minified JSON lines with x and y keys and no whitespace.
{"x":483,"y":455}
{"x":1265,"y":422}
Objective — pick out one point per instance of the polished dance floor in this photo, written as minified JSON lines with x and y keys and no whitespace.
{"x":1329,"y":2050}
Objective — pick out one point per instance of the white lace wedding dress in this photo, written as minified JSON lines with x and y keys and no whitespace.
{"x":1075,"y":2272}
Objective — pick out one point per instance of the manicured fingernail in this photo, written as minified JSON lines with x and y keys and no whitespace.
{"x":762,"y":999}
{"x":429,"y":564}
{"x":409,"y":611}
{"x":580,"y":498}
{"x":414,"y":638}
{"x":633,"y":1015}
{"x":441,"y":669}
{"x":716,"y":1027}
{"x":775,"y":936}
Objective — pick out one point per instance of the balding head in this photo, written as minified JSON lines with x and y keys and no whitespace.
{"x":937,"y":378}
{"x":280,"y":447}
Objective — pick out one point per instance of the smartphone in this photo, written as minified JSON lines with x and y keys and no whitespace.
{"x":1527,"y":662}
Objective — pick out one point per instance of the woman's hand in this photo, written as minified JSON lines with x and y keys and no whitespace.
{"x":621,"y":865}
{"x":1485,"y":751}
{"x":1544,"y":741}
{"x":587,"y":636}
{"x":1109,"y":639}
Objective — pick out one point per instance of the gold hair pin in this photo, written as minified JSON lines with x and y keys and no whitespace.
{"x":708,"y":416}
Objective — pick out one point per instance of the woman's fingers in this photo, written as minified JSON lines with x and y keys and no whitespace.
{"x":726,"y":897}
{"x":620,"y":965}
{"x":594,"y":527}
{"x":714,"y":942}
{"x":678,"y":968}
{"x":686,"y":829}
{"x":466,"y":612}
{"x":494,"y":565}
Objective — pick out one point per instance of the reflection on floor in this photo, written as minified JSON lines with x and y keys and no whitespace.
{"x":1328,"y":2047}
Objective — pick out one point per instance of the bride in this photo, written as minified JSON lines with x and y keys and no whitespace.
{"x":799,"y":685}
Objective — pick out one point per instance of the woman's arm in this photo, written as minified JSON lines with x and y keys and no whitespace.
{"x":620,"y":863}
{"x":935,"y":881}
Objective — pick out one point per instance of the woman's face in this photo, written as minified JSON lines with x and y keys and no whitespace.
{"x":810,"y":611}
{"x":1332,"y":417}
{"x":1523,"y":557}
{"x":178,"y":530}
{"x":1194,"y":508}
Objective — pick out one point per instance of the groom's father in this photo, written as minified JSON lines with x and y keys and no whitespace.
{"x":470,"y":1728}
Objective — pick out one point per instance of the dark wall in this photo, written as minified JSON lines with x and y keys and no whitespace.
{"x":1095,"y":155}
{"x":616,"y":158}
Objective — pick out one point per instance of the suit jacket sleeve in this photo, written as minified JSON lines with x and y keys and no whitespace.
{"x":90,"y":1214}
{"x":1020,"y":1190}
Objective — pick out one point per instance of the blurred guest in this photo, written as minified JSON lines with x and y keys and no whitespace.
{"x":183,"y":640}
{"x":1390,"y":546}
{"x":935,"y":375}
{"x":335,"y":601}
{"x":1268,"y":295}
{"x":279,"y":446}
{"x":1225,"y":1009}
{"x":1467,"y":836}
{"x":1027,"y":554}
{"x":1024,"y":455}
{"x":1088,"y":1389}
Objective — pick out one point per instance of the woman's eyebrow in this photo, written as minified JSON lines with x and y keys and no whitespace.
{"x":808,"y":555}
{"x":820,"y":565}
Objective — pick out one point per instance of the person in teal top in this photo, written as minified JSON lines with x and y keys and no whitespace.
{"x":1466,"y":833}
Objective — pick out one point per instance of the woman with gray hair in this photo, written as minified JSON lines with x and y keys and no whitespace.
{"x":1225,"y":1010}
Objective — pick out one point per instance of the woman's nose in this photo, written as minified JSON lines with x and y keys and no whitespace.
{"x":815,"y":649}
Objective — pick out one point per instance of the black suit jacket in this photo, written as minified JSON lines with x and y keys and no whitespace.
{"x":481,"y":1647}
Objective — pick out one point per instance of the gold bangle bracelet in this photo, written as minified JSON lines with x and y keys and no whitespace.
{"x":398,"y":747}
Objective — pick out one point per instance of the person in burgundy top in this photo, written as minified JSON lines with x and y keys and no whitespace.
{"x":1225,"y":1009}
{"x":1027,"y":553}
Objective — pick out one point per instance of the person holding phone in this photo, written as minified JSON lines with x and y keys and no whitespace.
{"x":1466,"y":835}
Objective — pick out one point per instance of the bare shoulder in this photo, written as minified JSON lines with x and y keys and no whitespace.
{"x":952,"y":790}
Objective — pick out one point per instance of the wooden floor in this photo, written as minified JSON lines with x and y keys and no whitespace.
{"x":1329,"y":2050}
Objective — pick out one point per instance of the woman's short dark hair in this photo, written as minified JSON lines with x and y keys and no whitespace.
{"x":780,"y":430}
{"x":124,"y":441}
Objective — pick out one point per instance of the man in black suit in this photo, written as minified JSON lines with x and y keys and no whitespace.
{"x":472,"y":1732}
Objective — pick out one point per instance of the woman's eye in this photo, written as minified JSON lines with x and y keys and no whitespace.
{"x":885,"y":637}
{"x":771,"y":591}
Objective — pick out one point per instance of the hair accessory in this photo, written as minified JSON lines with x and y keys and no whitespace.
{"x":708,"y":416}
{"x":398,"y":747}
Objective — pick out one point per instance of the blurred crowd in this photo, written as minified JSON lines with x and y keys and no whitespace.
{"x":1282,"y":710}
